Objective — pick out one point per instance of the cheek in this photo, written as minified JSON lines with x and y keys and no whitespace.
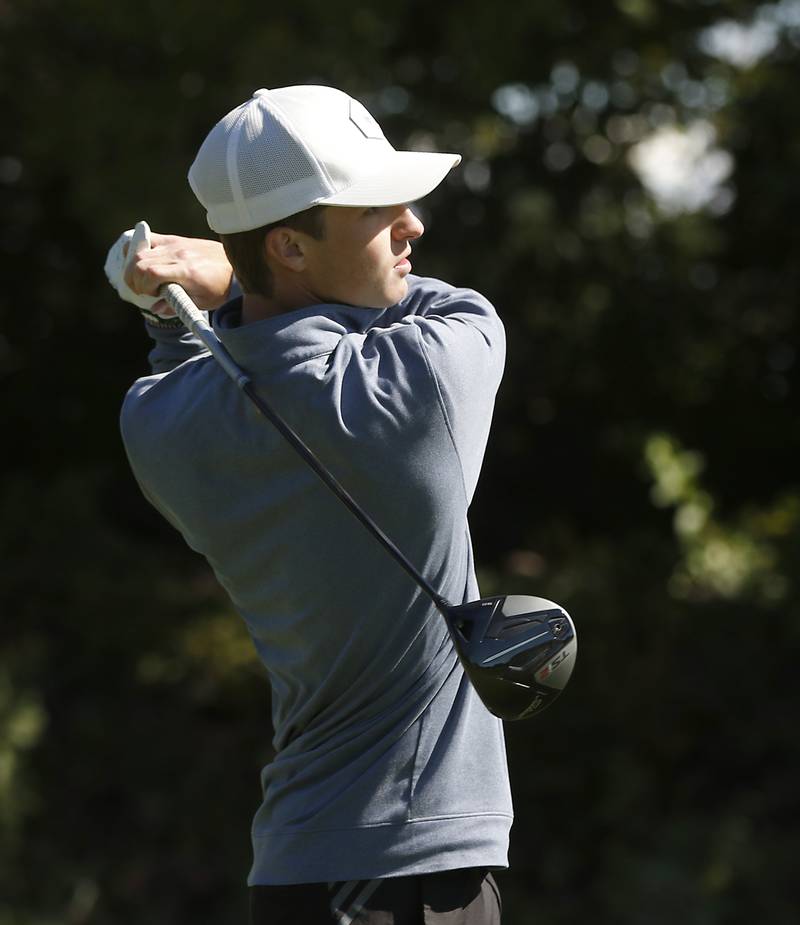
{"x":360,"y":267}
{"x":378,"y":255}
{"x":359,"y":270}
{"x":336,"y":269}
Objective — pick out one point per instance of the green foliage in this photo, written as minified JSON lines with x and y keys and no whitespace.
{"x":642,"y":467}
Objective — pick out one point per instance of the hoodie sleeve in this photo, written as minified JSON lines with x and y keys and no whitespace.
{"x":463,"y":343}
{"x":174,"y":343}
{"x":172,"y":346}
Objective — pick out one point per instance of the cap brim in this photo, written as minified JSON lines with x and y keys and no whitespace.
{"x":404,"y":176}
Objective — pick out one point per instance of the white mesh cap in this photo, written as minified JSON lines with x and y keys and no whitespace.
{"x":286,"y":150}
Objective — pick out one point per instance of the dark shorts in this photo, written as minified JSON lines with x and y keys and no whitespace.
{"x":452,"y":897}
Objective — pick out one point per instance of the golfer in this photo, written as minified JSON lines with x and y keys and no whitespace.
{"x":388,"y":798}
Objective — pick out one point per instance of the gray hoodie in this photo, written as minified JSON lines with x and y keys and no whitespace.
{"x":386,"y":763}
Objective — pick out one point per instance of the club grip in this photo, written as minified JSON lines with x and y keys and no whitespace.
{"x":187,"y":311}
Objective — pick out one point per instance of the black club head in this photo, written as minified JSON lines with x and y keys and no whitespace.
{"x":518,"y":651}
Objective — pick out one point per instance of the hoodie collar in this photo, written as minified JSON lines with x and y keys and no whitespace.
{"x":291,"y":337}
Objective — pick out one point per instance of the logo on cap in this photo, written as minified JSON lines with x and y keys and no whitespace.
{"x":364,"y":121}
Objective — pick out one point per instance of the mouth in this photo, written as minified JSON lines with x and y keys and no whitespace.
{"x":404,"y":264}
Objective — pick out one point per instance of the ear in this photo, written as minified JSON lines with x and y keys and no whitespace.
{"x":283,"y":247}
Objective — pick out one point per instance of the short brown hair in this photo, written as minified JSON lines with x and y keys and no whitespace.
{"x":245,"y":249}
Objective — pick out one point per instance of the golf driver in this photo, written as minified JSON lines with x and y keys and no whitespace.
{"x":518,"y":651}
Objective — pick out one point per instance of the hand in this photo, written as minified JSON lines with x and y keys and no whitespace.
{"x":119,"y":255}
{"x":200,"y":266}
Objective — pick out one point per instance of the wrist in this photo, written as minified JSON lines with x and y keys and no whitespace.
{"x":154,"y":321}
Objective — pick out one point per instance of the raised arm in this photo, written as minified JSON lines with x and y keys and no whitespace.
{"x":463,"y":341}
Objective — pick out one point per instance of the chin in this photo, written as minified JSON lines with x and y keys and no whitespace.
{"x":397,"y":294}
{"x":385,"y":298}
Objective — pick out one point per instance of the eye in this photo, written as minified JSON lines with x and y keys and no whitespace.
{"x":372,"y":210}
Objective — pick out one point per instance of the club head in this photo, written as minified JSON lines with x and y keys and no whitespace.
{"x":518,"y":651}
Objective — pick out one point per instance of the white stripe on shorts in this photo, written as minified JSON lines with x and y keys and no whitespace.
{"x":345,"y":915}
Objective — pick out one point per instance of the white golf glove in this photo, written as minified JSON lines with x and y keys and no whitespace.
{"x":115,"y":266}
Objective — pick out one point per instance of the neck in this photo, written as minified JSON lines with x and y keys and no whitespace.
{"x":288,"y":293}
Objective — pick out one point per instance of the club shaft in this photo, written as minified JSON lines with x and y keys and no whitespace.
{"x":194,"y":319}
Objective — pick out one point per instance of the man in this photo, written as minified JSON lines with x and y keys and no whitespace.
{"x":388,"y":799}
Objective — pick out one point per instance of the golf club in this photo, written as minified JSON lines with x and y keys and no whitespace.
{"x":518,"y":651}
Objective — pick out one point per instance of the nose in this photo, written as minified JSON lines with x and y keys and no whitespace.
{"x":407,"y":225}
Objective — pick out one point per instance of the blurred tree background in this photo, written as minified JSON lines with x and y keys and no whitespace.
{"x":628,"y":199}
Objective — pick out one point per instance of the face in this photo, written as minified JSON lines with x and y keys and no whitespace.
{"x":362,"y":259}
